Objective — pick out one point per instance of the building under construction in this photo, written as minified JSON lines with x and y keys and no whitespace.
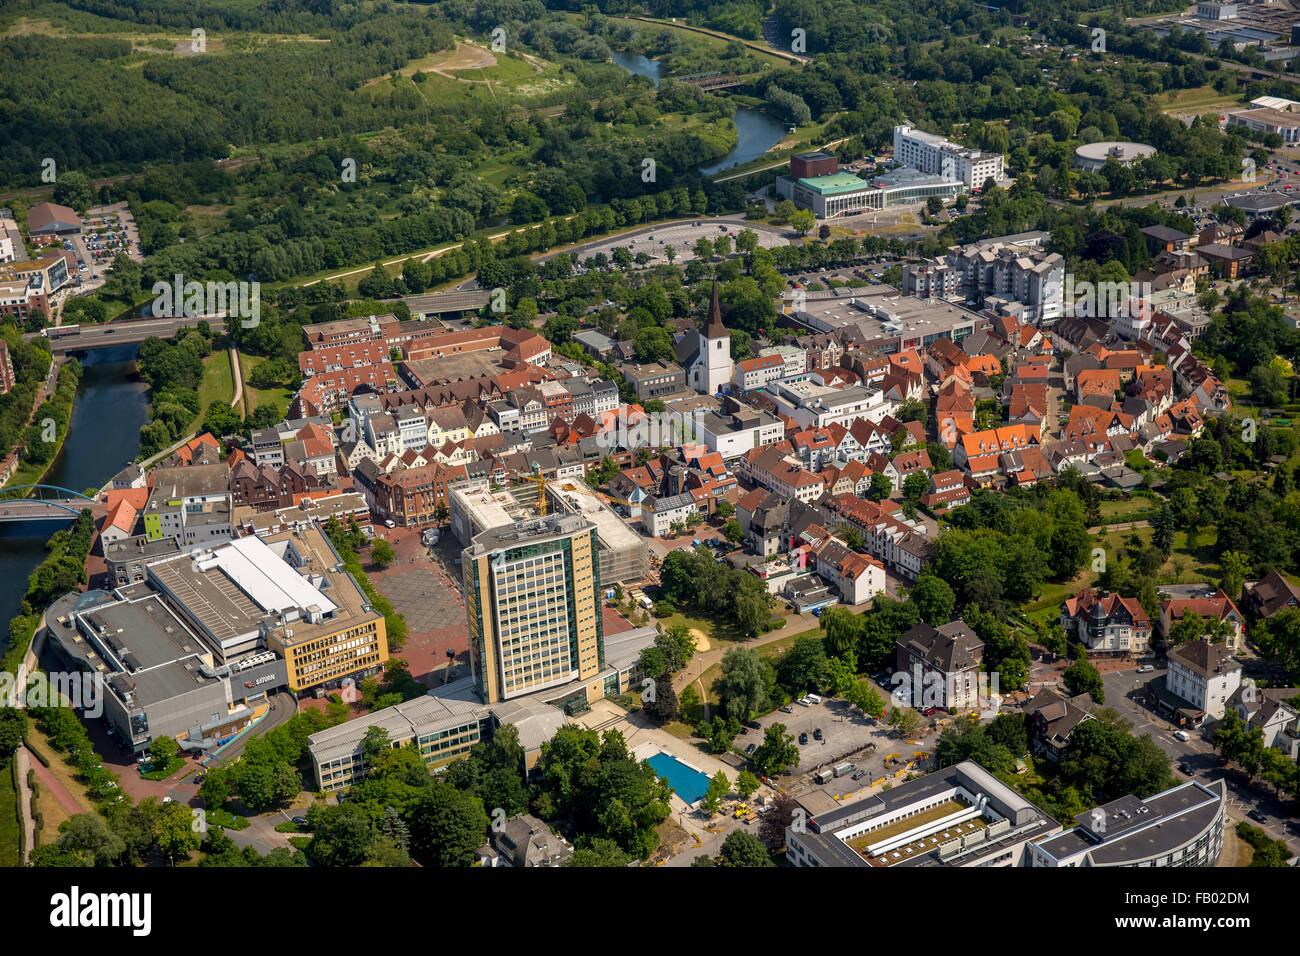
{"x":622,"y":555}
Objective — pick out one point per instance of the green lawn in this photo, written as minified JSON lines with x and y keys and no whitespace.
{"x":224,"y":818}
{"x":277,"y":398}
{"x":1198,"y":98}
{"x":507,"y":69}
{"x":218,"y":384}
{"x":1131,"y":509}
{"x":10,"y":832}
{"x":162,"y":773}
{"x":774,"y":649}
{"x":1048,"y":606}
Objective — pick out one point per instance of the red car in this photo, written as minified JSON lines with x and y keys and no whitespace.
{"x":931,"y":711}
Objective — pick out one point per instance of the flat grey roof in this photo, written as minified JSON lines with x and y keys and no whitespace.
{"x":624,"y":648}
{"x":139,"y":546}
{"x":529,"y":531}
{"x":1153,"y":827}
{"x":142,"y":633}
{"x":445,"y":707}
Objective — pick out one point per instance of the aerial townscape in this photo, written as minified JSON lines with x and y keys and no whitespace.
{"x":521,"y":433}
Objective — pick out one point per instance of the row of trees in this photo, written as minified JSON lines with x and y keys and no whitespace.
{"x":1243,"y":745}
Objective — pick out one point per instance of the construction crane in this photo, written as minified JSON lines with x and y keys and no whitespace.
{"x":539,"y":479}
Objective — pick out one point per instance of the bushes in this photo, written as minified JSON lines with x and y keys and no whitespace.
{"x":1268,"y":852}
{"x":67,"y":734}
{"x":45,"y":761}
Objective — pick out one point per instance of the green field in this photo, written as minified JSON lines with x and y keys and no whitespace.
{"x":1205,"y":98}
{"x":507,"y":69}
{"x":1126,"y":509}
{"x":773,"y":649}
{"x":10,"y":832}
{"x":218,"y":383}
{"x":277,"y":398}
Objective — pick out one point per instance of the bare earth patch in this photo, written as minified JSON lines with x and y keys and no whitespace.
{"x":466,"y":56}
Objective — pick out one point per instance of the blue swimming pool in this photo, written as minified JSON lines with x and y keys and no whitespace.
{"x":689,"y":784}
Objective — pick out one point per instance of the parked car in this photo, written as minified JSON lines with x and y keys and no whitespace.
{"x":1186,"y":771}
{"x":859,"y":774}
{"x":787,"y":709}
{"x":1257,"y":816}
{"x":817,"y":734}
{"x":803,"y":739}
{"x":301,"y":821}
{"x":1182,"y":735}
{"x":749,"y":749}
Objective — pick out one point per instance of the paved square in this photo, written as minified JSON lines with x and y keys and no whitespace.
{"x":423,"y":591}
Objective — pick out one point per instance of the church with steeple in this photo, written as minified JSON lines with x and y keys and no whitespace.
{"x":706,"y":356}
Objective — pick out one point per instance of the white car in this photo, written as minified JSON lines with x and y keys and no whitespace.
{"x":1146,"y":669}
{"x":1182,"y":735}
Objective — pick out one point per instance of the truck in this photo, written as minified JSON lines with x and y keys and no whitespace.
{"x":825,"y":776}
{"x":842,"y":769}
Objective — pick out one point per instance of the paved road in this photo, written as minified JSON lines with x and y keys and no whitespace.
{"x":119,"y":333}
{"x":237,"y":374}
{"x":447,"y":302}
{"x":23,"y":762}
{"x":261,"y":834}
{"x":283,"y":706}
{"x":1196,"y":753}
{"x":1123,"y":687}
{"x":35,"y":509}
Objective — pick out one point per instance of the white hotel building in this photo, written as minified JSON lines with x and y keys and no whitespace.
{"x":935,"y":155}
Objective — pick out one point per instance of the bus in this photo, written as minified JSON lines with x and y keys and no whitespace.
{"x":60,"y":331}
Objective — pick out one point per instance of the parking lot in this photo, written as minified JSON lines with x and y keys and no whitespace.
{"x":847,"y":734}
{"x":107,"y":231}
{"x":682,"y":237}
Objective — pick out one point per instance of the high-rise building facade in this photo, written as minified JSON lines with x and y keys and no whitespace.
{"x":939,"y":157}
{"x":532,"y":599}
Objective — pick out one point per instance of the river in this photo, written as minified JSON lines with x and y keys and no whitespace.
{"x":758,"y":132}
{"x":104,"y":438}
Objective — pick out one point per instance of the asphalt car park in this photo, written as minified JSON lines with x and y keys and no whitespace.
{"x":847,"y":734}
{"x":654,"y":241}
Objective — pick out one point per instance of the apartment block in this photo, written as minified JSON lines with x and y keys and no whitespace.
{"x":532,"y":590}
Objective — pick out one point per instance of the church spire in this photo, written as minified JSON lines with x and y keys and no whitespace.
{"x":714,"y":329}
